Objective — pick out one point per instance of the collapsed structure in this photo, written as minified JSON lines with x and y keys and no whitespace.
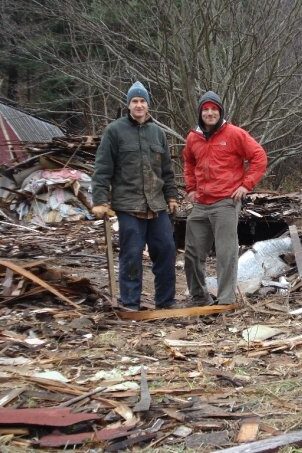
{"x":74,"y":371}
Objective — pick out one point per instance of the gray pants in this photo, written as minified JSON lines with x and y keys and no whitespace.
{"x":208,"y":224}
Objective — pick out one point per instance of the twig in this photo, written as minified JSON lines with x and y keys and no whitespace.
{"x":79,"y":398}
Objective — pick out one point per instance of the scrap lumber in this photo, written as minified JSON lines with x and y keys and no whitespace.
{"x":282,"y":343}
{"x":14,"y":431}
{"x":132,"y":440}
{"x":248,"y":430}
{"x":175,"y":312}
{"x":81,"y":397}
{"x":175,"y":414}
{"x":205,"y":410}
{"x":297,"y":247}
{"x":272,"y":206}
{"x":270,"y":444}
{"x":19,"y":226}
{"x":12,"y":394}
{"x":195,"y":387}
{"x":27,"y":274}
{"x":198,"y":440}
{"x":145,"y":400}
{"x":55,"y":386}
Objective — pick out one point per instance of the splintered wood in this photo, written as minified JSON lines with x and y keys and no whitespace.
{"x":75,"y":373}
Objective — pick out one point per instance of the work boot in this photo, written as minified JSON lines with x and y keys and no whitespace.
{"x":129,"y":307}
{"x":172,"y":305}
{"x":226,"y":302}
{"x":199,"y":301}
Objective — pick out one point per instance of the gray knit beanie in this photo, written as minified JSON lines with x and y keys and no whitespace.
{"x":212,"y":97}
{"x":138,"y":90}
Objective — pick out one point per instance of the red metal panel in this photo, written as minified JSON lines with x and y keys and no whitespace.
{"x":43,"y":416}
{"x":10,"y":147}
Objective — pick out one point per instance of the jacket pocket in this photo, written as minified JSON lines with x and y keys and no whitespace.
{"x":128,"y":162}
{"x":157,"y":149}
{"x":128,"y":148}
{"x":156,"y":157}
{"x":128,"y":153}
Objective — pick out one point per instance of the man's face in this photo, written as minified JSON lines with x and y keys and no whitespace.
{"x":138,"y":109}
{"x":210,"y":115}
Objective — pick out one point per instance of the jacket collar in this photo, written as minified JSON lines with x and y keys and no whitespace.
{"x":149,"y":119}
{"x":208,"y":134}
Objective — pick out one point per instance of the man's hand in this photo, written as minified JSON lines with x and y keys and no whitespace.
{"x":102,"y":210}
{"x":173,"y":206}
{"x":191,"y":196}
{"x":240,"y":193}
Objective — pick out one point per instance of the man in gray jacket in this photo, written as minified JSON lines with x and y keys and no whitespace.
{"x":133,"y":175}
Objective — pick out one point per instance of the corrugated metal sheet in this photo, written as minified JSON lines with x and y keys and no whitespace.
{"x":27,"y":127}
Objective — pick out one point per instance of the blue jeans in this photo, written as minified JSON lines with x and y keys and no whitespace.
{"x":134,"y":234}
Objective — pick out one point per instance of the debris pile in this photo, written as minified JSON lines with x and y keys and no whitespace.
{"x":261,"y":205}
{"x":53,"y":184}
{"x":273,"y":206}
{"x":34,"y":278}
{"x":77,"y":375}
{"x":74,"y":151}
{"x":263,"y":216}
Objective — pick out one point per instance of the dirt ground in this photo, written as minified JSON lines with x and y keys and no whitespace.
{"x":206,"y":383}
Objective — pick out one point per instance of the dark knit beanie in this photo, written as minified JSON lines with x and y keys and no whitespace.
{"x":138,"y":90}
{"x":210,"y":96}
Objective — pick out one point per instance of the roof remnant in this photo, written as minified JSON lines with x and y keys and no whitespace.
{"x":27,"y":127}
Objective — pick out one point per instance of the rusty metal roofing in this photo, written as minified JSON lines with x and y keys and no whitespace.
{"x":27,"y":127}
{"x":58,"y":439}
{"x":46,"y":416}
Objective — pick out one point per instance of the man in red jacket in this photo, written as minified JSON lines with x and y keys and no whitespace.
{"x":222,"y":164}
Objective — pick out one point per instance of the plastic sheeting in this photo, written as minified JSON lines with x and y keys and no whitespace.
{"x":261,"y":262}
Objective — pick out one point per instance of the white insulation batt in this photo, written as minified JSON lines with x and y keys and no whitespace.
{"x":261,"y":262}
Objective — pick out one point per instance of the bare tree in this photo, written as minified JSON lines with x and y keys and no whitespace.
{"x":247,"y":51}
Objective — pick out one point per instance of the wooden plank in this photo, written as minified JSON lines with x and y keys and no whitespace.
{"x":144,"y":403}
{"x":270,"y":444}
{"x":296,"y":243}
{"x":175,"y":312}
{"x":30,"y":276}
{"x":11,"y":395}
{"x":248,"y":430}
{"x":81,"y":397}
{"x":110,"y":261}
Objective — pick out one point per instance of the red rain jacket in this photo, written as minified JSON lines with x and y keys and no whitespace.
{"x":215,"y":168}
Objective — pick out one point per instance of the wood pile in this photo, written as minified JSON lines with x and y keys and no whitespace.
{"x":273,"y":206}
{"x":73,"y":151}
{"x":261,"y":205}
